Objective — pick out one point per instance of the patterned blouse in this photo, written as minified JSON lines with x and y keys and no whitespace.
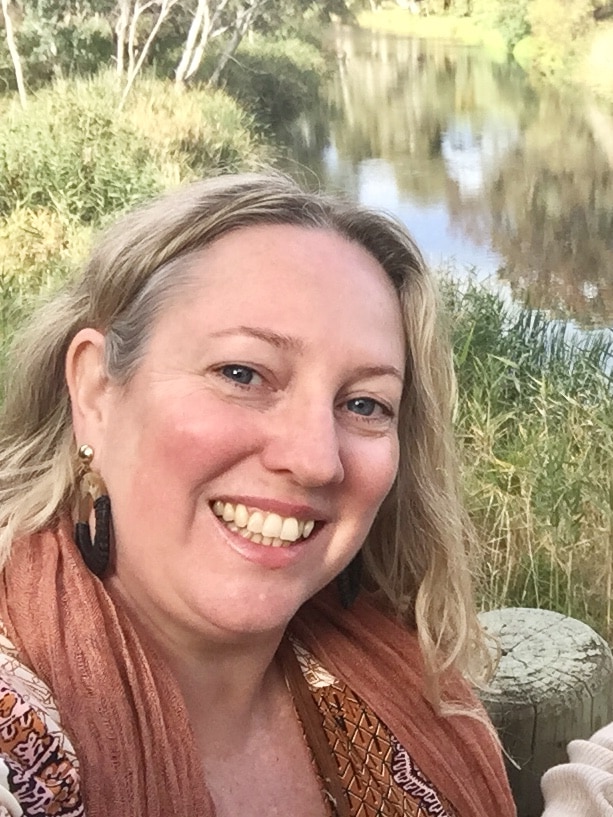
{"x":39,"y":769}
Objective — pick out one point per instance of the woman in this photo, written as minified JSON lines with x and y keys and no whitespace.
{"x":244,"y":397}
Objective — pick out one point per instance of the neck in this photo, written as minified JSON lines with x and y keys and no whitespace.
{"x":234,"y":673}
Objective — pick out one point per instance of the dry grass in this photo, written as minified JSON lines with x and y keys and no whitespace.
{"x":536,"y":428}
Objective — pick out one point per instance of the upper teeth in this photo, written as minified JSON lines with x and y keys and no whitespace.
{"x":263,"y":526}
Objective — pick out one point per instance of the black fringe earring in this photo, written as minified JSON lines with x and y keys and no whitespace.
{"x":349,"y":581}
{"x":93,"y":494}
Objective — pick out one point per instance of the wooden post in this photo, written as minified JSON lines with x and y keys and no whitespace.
{"x":553,"y":684}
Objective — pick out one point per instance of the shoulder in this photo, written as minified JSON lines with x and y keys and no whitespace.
{"x":39,"y":771}
{"x":585,"y":784}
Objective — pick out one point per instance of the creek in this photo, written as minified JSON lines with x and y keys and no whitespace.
{"x":494,"y":176}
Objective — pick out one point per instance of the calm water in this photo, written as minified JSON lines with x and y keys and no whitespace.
{"x":487,"y":172}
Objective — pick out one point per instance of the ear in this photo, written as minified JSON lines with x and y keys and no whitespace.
{"x":88,"y":385}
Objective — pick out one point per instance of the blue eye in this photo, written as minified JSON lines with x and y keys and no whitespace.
{"x":239,"y":374}
{"x":364,"y":406}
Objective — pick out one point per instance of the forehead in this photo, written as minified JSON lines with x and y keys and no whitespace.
{"x":276,"y":255}
{"x":295,"y":279}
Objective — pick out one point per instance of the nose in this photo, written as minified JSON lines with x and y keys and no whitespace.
{"x":302,"y":439}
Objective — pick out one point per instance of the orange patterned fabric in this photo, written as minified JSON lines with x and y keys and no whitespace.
{"x":380,"y":660}
{"x":36,"y":771}
{"x":125,"y":716}
{"x":377,"y":773}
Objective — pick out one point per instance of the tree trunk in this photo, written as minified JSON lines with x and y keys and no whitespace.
{"x":199,"y":24}
{"x":121,"y":28}
{"x":204,"y":27}
{"x":12,"y":46}
{"x":244,"y":18}
{"x":134,"y":65}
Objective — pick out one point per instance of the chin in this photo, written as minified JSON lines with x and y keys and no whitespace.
{"x":263,"y":615}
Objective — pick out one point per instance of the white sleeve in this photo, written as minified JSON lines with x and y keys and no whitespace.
{"x":584,"y":786}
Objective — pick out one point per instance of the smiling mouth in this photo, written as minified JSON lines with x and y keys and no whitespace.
{"x":261,"y":527}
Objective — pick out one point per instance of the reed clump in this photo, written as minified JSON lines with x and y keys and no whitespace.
{"x":535,"y":425}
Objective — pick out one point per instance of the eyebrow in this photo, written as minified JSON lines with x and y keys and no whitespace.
{"x":379,"y":371}
{"x":274,"y":338}
{"x":281,"y":341}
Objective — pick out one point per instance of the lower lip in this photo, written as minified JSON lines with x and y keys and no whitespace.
{"x":264,"y":555}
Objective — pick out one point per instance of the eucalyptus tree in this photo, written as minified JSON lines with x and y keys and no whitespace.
{"x":13,"y":50}
{"x":232,"y":19}
{"x":51,"y":38}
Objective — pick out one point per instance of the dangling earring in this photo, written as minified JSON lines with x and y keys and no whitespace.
{"x":93,"y":494}
{"x":349,"y":581}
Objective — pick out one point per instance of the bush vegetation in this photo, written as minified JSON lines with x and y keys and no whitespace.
{"x":563,"y":41}
{"x":274,"y":80}
{"x":536,"y":429}
{"x":68,"y":150}
{"x":71,"y":151}
{"x":71,"y":160}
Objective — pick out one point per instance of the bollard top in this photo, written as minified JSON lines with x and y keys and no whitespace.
{"x":544,"y":657}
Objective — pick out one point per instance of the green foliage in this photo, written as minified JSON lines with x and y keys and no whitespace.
{"x":38,"y":250}
{"x":560,"y":20}
{"x":557,"y":26}
{"x":60,"y":40}
{"x":507,"y":16}
{"x":65,"y":38}
{"x":275,"y":80}
{"x":69,"y":150}
{"x":193,"y":133}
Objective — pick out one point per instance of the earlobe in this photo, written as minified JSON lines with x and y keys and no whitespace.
{"x":87,"y":382}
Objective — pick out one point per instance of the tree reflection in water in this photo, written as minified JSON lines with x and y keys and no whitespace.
{"x":522,"y":176}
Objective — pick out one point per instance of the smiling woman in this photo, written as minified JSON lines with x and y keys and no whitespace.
{"x":238,"y":419}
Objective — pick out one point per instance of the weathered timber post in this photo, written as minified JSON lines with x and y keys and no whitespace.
{"x":554,"y":683}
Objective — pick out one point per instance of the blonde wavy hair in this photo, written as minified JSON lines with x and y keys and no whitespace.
{"x":415,"y":556}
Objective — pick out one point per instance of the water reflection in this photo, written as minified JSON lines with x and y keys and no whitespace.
{"x":482,"y":168}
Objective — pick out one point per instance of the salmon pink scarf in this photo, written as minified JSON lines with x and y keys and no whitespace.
{"x":124,"y":713}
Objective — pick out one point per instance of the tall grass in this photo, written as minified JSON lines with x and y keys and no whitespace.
{"x":70,"y":162}
{"x":535,"y":425}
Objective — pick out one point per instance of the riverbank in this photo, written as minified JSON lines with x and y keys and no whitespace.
{"x":588,"y":68}
{"x":402,"y":23}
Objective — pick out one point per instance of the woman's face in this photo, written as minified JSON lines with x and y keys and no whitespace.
{"x":249,"y":454}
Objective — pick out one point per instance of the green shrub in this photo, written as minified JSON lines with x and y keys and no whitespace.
{"x":194,"y":132}
{"x":509,"y":17}
{"x":558,"y":28}
{"x":39,"y":249}
{"x":63,"y":48}
{"x":71,"y":151}
{"x":275,"y":80}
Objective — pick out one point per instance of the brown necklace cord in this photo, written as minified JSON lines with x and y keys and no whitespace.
{"x":310,"y":717}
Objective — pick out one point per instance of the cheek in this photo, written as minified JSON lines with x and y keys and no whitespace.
{"x":373,"y":470}
{"x":196,"y":447}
